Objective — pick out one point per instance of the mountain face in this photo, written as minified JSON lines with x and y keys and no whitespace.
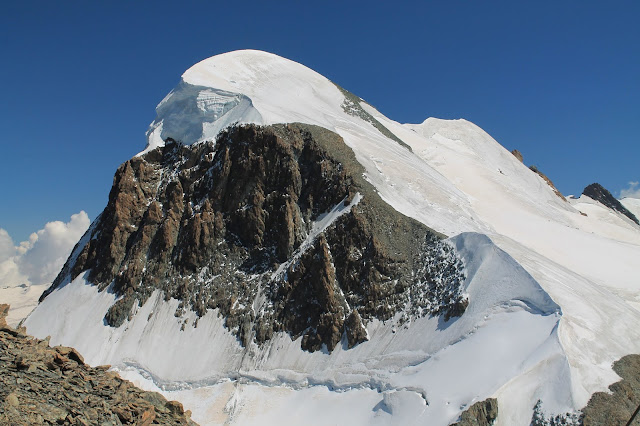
{"x":273,"y":226}
{"x":282,"y":250}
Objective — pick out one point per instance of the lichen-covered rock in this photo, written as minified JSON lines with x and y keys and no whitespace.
{"x":229,"y":224}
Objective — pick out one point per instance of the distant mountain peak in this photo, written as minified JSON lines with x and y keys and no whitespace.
{"x":601,"y":194}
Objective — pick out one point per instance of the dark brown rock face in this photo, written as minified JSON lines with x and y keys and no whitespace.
{"x":617,"y":407}
{"x":599,"y":193}
{"x":44,"y":385}
{"x":482,"y":413}
{"x":236,"y":225}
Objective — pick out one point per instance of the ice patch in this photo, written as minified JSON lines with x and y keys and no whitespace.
{"x":191,"y":114}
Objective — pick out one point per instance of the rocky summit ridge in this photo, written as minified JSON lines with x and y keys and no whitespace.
{"x":601,"y":194}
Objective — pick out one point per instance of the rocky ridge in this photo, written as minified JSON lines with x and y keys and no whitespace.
{"x":44,"y":385}
{"x":601,"y":194}
{"x":276,"y":228}
{"x":516,"y":153}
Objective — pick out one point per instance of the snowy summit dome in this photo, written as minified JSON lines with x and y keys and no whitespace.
{"x":245,"y":86}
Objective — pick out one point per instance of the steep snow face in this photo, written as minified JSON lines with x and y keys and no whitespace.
{"x":405,"y":373}
{"x":520,"y":205}
{"x":605,"y":220}
{"x":513,"y":201}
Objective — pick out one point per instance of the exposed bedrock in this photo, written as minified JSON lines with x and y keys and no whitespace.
{"x":482,"y":413}
{"x":601,"y":194}
{"x":275,"y":227}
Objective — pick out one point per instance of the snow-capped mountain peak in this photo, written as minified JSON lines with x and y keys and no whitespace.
{"x":279,"y":239}
{"x":246,"y":86}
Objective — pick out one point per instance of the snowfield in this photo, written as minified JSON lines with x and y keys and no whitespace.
{"x":417,"y":371}
{"x":554,"y":293}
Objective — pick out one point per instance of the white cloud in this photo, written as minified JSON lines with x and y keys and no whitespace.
{"x":26,"y":270}
{"x":7,"y":248}
{"x":38,"y":260}
{"x":633,"y":191}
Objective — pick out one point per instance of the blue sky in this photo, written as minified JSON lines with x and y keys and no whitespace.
{"x":560,"y":81}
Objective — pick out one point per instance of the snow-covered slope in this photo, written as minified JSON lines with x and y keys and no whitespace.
{"x":595,"y":256}
{"x":510,"y":328}
{"x":519,"y":204}
{"x":553,"y":294}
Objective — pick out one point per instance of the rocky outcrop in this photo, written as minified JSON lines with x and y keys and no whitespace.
{"x":275,"y":227}
{"x":546,"y":179}
{"x":352,"y":106}
{"x":537,"y":171}
{"x":482,"y":413}
{"x":518,"y":155}
{"x":617,"y":407}
{"x":599,"y":193}
{"x":539,"y":418}
{"x":44,"y":385}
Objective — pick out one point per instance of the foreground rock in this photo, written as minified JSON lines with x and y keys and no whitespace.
{"x":44,"y":385}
